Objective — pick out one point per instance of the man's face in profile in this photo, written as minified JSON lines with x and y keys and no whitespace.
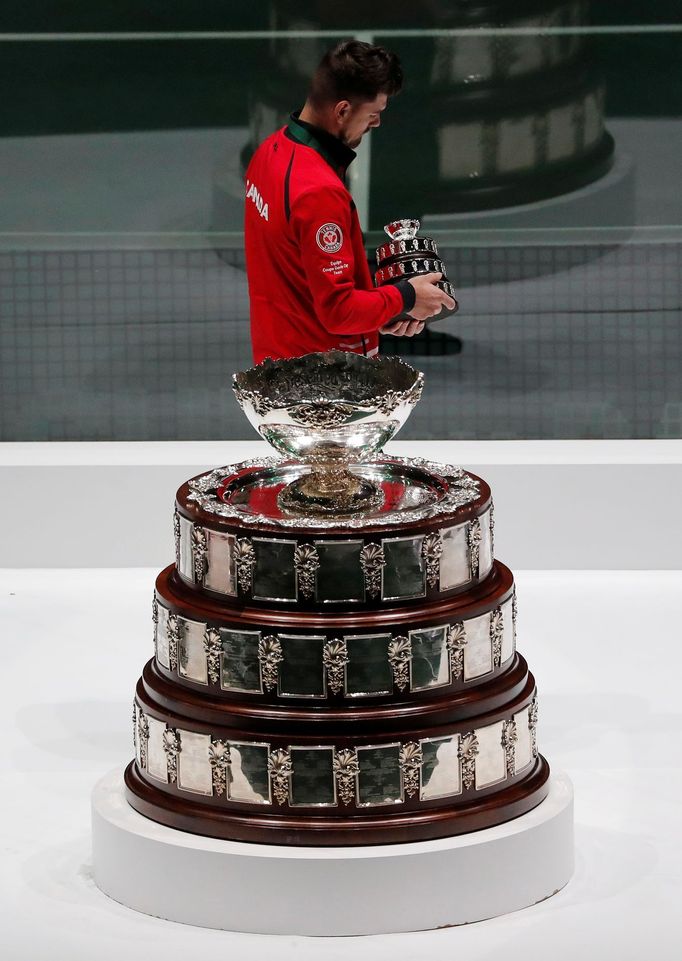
{"x":359,"y":118}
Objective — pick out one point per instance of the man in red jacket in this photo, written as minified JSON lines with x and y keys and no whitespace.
{"x":309,"y":283}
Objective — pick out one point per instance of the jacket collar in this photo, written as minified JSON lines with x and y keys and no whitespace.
{"x":334,"y":151}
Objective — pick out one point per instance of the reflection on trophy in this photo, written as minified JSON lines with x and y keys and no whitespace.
{"x":407,"y":255}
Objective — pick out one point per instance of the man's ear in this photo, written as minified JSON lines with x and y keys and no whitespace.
{"x":341,"y":111}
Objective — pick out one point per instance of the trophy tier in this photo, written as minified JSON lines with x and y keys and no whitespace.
{"x":431,"y":537}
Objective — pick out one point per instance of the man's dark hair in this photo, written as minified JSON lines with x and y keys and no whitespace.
{"x":354,"y":71}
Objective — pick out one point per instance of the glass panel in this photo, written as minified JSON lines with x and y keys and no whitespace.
{"x":340,"y":576}
{"x":248,"y":773}
{"x":274,"y":576}
{"x":312,"y":781}
{"x":430,"y":661}
{"x":240,"y":664}
{"x":542,"y":162}
{"x":368,"y":670}
{"x":379,"y":779}
{"x":440,"y":772}
{"x":403,"y":575}
{"x":301,"y":672}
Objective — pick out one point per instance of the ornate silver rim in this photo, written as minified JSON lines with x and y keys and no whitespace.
{"x":246,"y":387}
{"x":460,"y":489}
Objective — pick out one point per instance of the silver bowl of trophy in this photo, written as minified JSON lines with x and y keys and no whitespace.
{"x":406,"y":255}
{"x":329,"y":411}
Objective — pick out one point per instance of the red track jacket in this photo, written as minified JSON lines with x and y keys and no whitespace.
{"x":309,"y":283}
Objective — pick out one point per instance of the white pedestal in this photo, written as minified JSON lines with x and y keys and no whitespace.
{"x":269,"y":889}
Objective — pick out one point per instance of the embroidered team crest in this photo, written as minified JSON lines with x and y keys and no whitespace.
{"x":329,"y":238}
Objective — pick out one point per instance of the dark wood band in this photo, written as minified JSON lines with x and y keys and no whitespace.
{"x":194,"y":604}
{"x":501,"y":697}
{"x":378,"y":827}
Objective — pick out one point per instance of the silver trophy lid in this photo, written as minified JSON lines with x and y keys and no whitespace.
{"x":402,"y":229}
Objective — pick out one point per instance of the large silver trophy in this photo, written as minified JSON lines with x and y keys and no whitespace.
{"x":331,"y":412}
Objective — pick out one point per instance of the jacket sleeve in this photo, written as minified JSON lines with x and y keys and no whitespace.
{"x":321,"y":224}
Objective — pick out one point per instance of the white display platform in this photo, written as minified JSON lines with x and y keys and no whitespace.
{"x":268,"y":889}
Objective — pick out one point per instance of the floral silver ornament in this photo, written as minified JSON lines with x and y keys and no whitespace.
{"x":199,"y":553}
{"x":514,"y":615}
{"x":474,"y":545}
{"x":134,"y":719}
{"x":496,"y":634}
{"x":176,"y":537}
{"x":307,"y":563}
{"x":533,"y":725}
{"x":467,"y":751}
{"x":456,"y":642}
{"x":219,"y":758}
{"x":399,"y":657}
{"x":508,"y":740}
{"x":280,"y":770}
{"x":245,"y":558}
{"x":410,"y":760}
{"x":213,"y":648}
{"x":142,"y":737}
{"x":261,"y":404}
{"x":321,"y":415}
{"x":172,"y":747}
{"x":270,"y":657}
{"x":372,"y":562}
{"x":492,"y":529}
{"x":173,"y":635}
{"x":155,"y":620}
{"x":432,"y":549}
{"x":335,"y":658}
{"x":346,"y":770}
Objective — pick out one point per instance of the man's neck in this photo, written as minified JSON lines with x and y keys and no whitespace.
{"x":317,"y":118}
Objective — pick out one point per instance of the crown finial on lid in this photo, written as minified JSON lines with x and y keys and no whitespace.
{"x":402,"y":229}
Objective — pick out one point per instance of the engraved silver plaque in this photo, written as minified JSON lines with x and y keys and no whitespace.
{"x":191,"y":653}
{"x":440,"y":772}
{"x":186,"y":552}
{"x":379,"y":779}
{"x":157,"y":766}
{"x":221,"y":575}
{"x":240,"y":666}
{"x":454,"y":560}
{"x":524,"y":753}
{"x":478,"y":652}
{"x":194,"y":769}
{"x":403,"y":576}
{"x":248,"y":778}
{"x":301,"y":672}
{"x":313,"y":783}
{"x":430,"y":663}
{"x":368,"y":671}
{"x":490,"y":760}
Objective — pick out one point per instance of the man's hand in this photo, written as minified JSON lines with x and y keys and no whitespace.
{"x":429,"y":298}
{"x":403,"y":328}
